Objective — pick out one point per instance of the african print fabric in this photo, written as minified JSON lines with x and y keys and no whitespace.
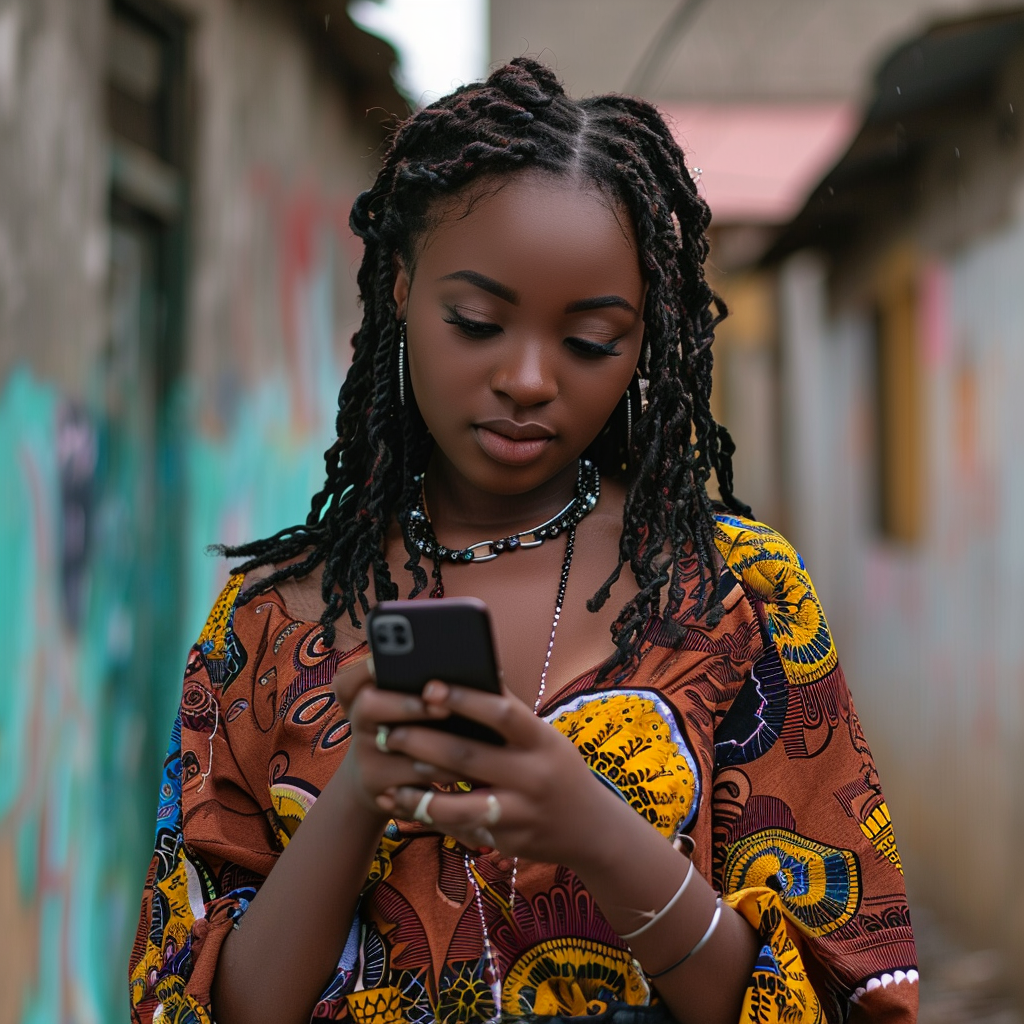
{"x":740,"y":735}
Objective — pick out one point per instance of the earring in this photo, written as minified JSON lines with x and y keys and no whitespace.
{"x":639,"y":385}
{"x":401,"y":364}
{"x":629,"y":423}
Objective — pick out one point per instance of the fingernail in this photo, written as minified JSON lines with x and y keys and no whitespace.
{"x":396,"y":736}
{"x":413,"y":705}
{"x":422,"y":768}
{"x":484,"y":837}
{"x":385,"y":802}
{"x":435,"y":690}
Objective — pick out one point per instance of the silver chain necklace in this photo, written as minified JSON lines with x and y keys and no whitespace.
{"x":492,"y":973}
{"x":420,"y":531}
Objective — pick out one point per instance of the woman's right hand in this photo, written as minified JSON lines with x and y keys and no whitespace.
{"x":275,"y":965}
{"x":368,"y":769}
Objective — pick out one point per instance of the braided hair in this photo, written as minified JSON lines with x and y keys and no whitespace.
{"x":521,"y":118}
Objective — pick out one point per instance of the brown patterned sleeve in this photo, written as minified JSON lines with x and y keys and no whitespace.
{"x":213,"y":842}
{"x":803,"y":842}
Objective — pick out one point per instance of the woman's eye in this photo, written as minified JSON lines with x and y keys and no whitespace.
{"x":471,"y":328}
{"x":593,"y":348}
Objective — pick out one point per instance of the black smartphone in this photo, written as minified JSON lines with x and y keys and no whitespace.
{"x":447,"y":638}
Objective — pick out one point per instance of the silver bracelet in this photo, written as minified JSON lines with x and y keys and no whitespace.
{"x":701,"y":942}
{"x":664,"y":910}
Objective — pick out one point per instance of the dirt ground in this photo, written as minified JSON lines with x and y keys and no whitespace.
{"x":960,"y":986}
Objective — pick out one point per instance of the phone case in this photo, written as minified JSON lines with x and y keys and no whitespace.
{"x":447,"y":638}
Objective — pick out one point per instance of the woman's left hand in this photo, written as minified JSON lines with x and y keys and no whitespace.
{"x":535,"y":797}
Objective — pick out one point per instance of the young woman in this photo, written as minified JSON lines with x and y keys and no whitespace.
{"x":684,"y":822}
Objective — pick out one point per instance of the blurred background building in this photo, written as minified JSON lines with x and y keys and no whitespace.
{"x":865,"y":170}
{"x":176,"y":298}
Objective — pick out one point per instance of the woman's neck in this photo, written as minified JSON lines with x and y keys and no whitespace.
{"x":462,"y":513}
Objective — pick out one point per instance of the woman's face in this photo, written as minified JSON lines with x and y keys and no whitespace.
{"x":524,"y":327}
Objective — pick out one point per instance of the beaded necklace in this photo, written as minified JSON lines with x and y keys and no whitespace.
{"x":421,"y":532}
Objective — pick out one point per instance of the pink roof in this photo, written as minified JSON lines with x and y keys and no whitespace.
{"x":759,"y":162}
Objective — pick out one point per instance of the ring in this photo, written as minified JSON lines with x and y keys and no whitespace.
{"x":493,"y":815}
{"x":383,"y":732}
{"x":420,"y":814}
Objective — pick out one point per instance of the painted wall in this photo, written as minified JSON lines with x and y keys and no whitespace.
{"x":95,"y":648}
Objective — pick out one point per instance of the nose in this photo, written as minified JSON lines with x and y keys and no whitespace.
{"x":526,"y":375}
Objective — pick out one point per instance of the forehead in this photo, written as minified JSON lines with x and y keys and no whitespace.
{"x":533,"y":225}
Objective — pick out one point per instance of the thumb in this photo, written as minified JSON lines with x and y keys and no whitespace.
{"x":350,"y":678}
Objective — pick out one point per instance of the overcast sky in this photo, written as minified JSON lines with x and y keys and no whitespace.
{"x":440,"y":43}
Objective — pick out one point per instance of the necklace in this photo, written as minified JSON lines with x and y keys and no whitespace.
{"x":420,"y":530}
{"x":492,"y":972}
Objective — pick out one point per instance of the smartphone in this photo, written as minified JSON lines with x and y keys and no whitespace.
{"x":447,"y":638}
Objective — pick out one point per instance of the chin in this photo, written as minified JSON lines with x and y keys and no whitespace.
{"x":499,"y":478}
{"x":512,"y":480}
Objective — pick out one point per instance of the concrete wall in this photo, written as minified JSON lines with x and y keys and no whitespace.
{"x":89,"y":690}
{"x":748,"y":51}
{"x":929,"y":630}
{"x":53,"y":192}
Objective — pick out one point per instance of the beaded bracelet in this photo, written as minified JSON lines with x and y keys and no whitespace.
{"x":701,"y":942}
{"x":665,"y":909}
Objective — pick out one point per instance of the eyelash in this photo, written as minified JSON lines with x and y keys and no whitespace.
{"x":482,"y":329}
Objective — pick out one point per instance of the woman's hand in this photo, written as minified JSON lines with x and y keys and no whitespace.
{"x":369,"y":768}
{"x":535,"y":797}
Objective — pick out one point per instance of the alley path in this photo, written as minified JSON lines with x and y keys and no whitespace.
{"x":959,"y":986}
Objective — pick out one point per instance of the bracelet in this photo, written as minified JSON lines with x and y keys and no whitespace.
{"x":664,"y":910}
{"x":701,"y":942}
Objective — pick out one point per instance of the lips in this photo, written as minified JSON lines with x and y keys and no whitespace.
{"x":511,"y":443}
{"x":516,"y":431}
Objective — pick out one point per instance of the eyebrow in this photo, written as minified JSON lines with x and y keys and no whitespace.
{"x":486,"y":283}
{"x":600,"y":302}
{"x":496,"y":288}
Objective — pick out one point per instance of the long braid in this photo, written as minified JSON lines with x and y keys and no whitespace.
{"x":521,"y":118}
{"x":678,"y":441}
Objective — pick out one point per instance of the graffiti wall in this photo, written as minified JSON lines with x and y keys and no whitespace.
{"x":116,"y":482}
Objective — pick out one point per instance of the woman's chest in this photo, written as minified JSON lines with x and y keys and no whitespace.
{"x":544,"y":634}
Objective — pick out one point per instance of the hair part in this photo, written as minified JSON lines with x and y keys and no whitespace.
{"x":520,"y":118}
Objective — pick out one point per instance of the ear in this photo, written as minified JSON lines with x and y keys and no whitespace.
{"x":401,"y":289}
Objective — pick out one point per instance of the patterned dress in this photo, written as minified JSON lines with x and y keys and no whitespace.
{"x":741,"y":736}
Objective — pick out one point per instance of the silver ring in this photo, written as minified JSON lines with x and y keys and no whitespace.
{"x":493,"y":815}
{"x":420,"y":814}
{"x":381,"y":740}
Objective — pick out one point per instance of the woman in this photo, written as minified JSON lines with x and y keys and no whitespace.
{"x":536,"y":335}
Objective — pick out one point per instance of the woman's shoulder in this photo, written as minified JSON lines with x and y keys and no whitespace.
{"x":299,"y":599}
{"x":773,"y":576}
{"x":744,"y":542}
{"x":760,"y":559}
{"x":246,"y":603}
